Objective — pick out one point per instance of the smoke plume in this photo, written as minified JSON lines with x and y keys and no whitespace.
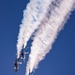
{"x":47,"y":18}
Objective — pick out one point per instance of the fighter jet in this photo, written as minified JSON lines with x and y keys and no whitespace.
{"x":22,"y":55}
{"x":16,"y":65}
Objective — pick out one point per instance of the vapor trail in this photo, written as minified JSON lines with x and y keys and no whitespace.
{"x":32,"y":17}
{"x":53,"y":21}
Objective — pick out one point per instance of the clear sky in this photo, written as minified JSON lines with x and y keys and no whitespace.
{"x":61,"y":59}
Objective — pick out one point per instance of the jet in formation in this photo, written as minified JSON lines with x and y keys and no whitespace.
{"x":22,"y":55}
{"x":16,"y":65}
{"x":17,"y":61}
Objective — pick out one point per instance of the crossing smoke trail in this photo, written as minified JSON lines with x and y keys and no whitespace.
{"x":53,"y":21}
{"x":48,"y":17}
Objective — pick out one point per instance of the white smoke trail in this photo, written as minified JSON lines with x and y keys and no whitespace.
{"x":31,"y":21}
{"x":50,"y":25}
{"x":48,"y":17}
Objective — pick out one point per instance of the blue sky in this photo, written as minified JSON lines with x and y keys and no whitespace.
{"x":61,"y":59}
